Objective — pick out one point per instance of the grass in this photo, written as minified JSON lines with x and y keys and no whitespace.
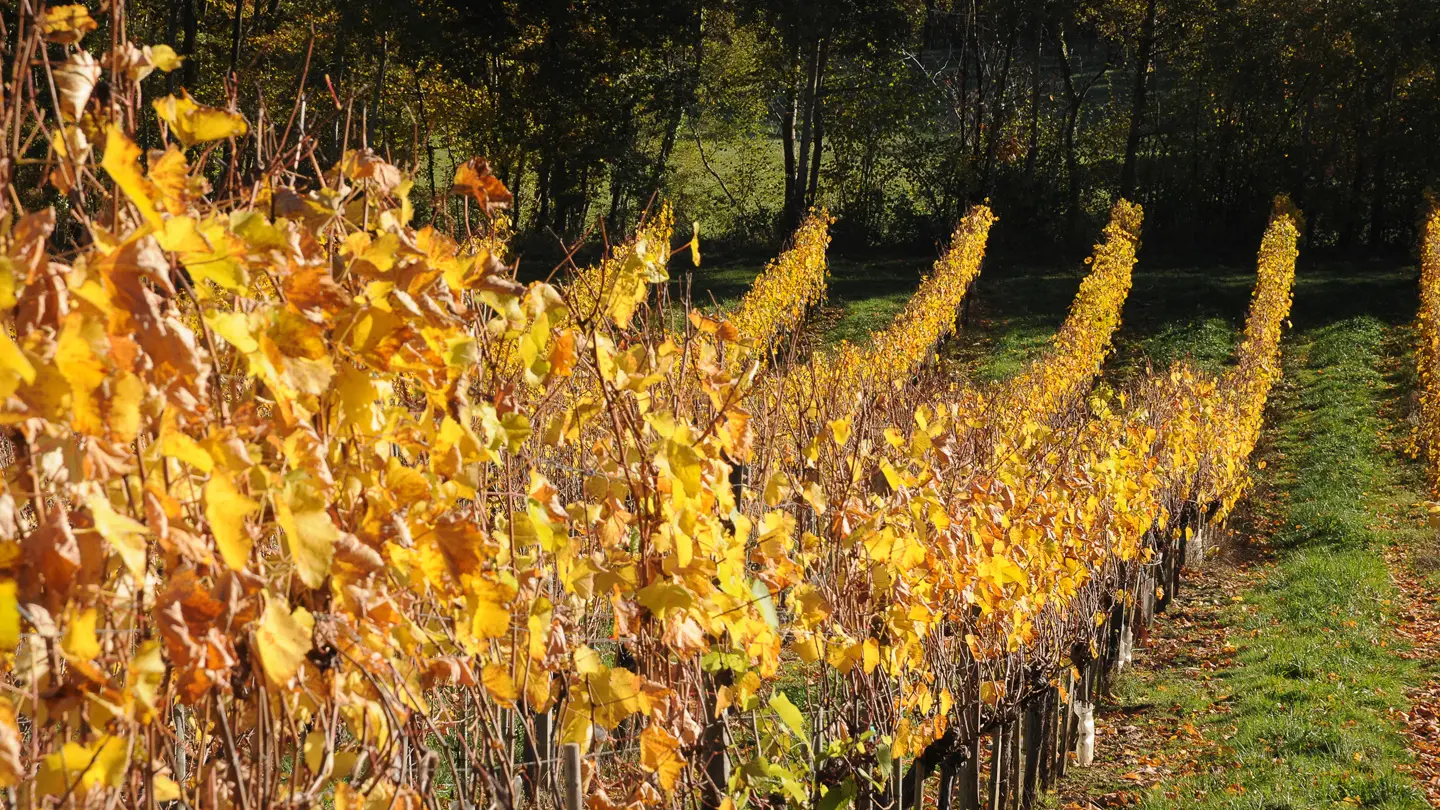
{"x":1304,"y":710}
{"x":1209,"y":343}
{"x":1012,"y":348}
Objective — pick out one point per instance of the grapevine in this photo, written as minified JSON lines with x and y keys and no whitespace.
{"x":1427,"y":349}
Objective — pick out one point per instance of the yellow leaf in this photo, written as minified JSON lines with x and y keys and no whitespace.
{"x":178,"y":445}
{"x":789,"y":714}
{"x":212,"y":253}
{"x":489,"y":602}
{"x":587,"y":661}
{"x":810,"y":649}
{"x":165,"y":58}
{"x":80,"y":642}
{"x":170,"y":176}
{"x":575,"y":724}
{"x":814,"y":495}
{"x":777,"y":489}
{"x":15,"y":367}
{"x":122,"y":162}
{"x":892,"y":477}
{"x":12,"y":769}
{"x":226,"y":508}
{"x":195,"y":123}
{"x":872,"y":655}
{"x":810,"y":604}
{"x":125,"y":534}
{"x":124,"y":416}
{"x":991,"y":692}
{"x":82,"y":767}
{"x":359,"y":402}
{"x":282,"y":640}
{"x":660,"y":755}
{"x":144,"y":677}
{"x":9,"y":616}
{"x":499,"y":684}
{"x":67,"y":24}
{"x":662,"y":597}
{"x":165,"y":789}
{"x":683,"y":464}
{"x":78,"y":354}
{"x":315,"y":743}
{"x":310,"y":536}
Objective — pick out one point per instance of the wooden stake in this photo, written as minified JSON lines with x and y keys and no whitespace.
{"x":570,"y":776}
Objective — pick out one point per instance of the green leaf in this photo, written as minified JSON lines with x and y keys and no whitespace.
{"x":885,"y":761}
{"x":789,"y":715}
{"x":838,"y":796}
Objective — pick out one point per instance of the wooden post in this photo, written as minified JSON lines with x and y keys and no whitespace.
{"x":969,"y":778}
{"x":947,"y":782}
{"x":1047,"y":737}
{"x":1067,"y":721}
{"x":738,"y":473}
{"x":539,"y":748}
{"x":182,"y":769}
{"x":1148,"y":598}
{"x":1017,"y":748}
{"x":1179,"y":567}
{"x":715,"y":762}
{"x":1034,"y":717}
{"x":570,"y":776}
{"x":997,"y":765}
{"x":1111,"y":655}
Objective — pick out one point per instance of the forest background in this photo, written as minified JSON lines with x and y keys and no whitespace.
{"x":894,"y":114}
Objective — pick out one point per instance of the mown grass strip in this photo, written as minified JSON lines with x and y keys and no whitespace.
{"x":1307,"y":722}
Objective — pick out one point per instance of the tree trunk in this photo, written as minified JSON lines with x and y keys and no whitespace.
{"x":807,"y":134}
{"x":190,"y":22}
{"x":1144,"y":58}
{"x":542,"y":192}
{"x":235,"y":35}
{"x":997,"y":117}
{"x":516,"y":191}
{"x":787,"y":129}
{"x":1073,"y":101}
{"x":976,"y":145}
{"x":962,"y":111}
{"x":1032,"y":148}
{"x":614,"y":215}
{"x":817,"y":113}
{"x":1381,"y":185}
{"x":1354,"y":223}
{"x":1034,"y":735}
{"x":377,"y":124}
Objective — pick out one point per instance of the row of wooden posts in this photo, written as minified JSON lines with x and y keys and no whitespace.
{"x":1032,"y":748}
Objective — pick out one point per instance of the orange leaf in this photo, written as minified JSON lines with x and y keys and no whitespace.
{"x":473,"y":179}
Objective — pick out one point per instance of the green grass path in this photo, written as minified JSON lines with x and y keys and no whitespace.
{"x":1301,"y":713}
